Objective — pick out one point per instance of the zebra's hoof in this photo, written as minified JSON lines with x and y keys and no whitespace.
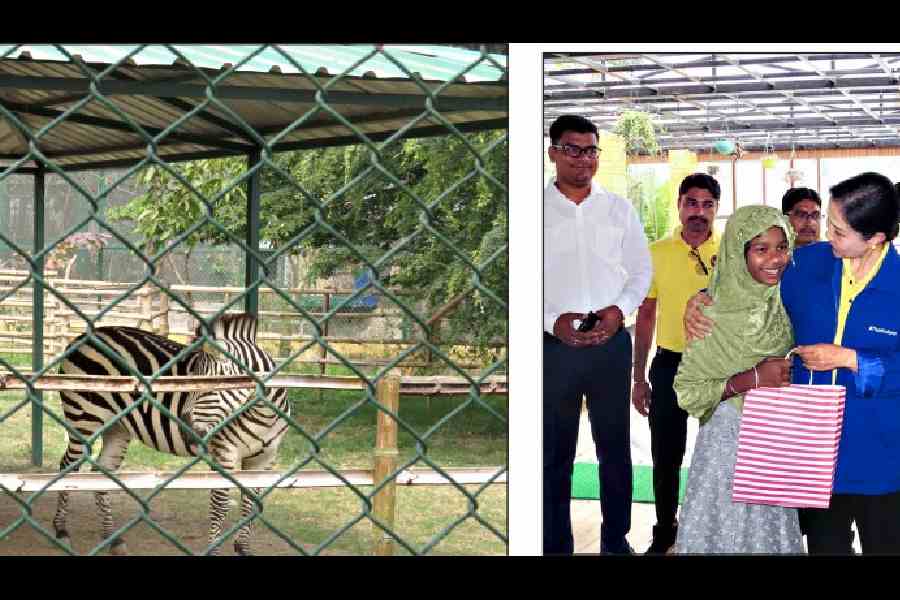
{"x":242,"y":550}
{"x":118,"y":548}
{"x":62,"y":536}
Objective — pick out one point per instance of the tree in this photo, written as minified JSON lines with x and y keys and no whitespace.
{"x":168,"y":207}
{"x":637,"y":129}
{"x":648,"y":197}
{"x":345,"y":207}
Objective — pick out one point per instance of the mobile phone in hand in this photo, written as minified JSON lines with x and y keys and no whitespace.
{"x":588,"y":323}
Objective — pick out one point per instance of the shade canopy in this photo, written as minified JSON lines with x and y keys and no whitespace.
{"x":761,"y":101}
{"x":90,"y":107}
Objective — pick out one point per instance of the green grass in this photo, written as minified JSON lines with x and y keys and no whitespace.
{"x":346,"y":436}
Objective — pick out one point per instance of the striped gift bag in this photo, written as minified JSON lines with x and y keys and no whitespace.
{"x":788,"y":444}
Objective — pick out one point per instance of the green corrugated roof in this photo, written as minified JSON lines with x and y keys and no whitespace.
{"x":436,"y":63}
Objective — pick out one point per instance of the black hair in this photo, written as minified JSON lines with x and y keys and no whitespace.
{"x":795,"y":195}
{"x":870,"y":204}
{"x":575,"y":123}
{"x":702,"y":181}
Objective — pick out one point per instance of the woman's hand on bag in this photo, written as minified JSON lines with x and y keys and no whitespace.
{"x":827,"y":357}
{"x":696,"y":324}
{"x":774,"y":372}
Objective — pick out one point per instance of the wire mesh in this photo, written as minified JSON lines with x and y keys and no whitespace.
{"x":133,"y":238}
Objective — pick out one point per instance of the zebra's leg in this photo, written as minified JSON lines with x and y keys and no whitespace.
{"x":262,"y":461}
{"x":115,"y":444}
{"x":219,"y":502}
{"x":74,"y":452}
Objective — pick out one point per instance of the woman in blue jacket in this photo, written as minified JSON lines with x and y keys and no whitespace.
{"x":843,"y":301}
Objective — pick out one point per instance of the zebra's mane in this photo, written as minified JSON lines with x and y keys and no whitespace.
{"x":233,"y":327}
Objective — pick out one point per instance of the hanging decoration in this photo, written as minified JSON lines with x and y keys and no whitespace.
{"x":794,"y":176}
{"x":724,"y":146}
{"x":769,"y":158}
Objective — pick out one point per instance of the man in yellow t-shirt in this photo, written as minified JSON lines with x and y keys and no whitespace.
{"x":682,"y":264}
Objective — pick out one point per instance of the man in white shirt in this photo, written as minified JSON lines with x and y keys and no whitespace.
{"x":596,"y":260}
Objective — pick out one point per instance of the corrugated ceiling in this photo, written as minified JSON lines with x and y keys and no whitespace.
{"x":99,"y":106}
{"x":775,"y":101}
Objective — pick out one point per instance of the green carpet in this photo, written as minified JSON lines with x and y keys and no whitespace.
{"x":586,"y":486}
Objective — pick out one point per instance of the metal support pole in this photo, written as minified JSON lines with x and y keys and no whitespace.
{"x":384,"y":503}
{"x":4,"y":213}
{"x":37,"y":323}
{"x":251,"y":301}
{"x":323,"y":354}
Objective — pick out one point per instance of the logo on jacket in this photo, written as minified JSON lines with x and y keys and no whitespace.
{"x":881,"y":330}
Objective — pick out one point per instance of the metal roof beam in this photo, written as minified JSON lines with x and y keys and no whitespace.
{"x":825,"y":96}
{"x":602,"y":71}
{"x":473,"y":126}
{"x":120,"y":126}
{"x":708,"y":63}
{"x":797,"y":124}
{"x":68,"y":98}
{"x":234,"y":92}
{"x":726,"y":118}
{"x":726,"y":89}
{"x":834,"y":81}
{"x":718,"y":79}
{"x":312,"y":125}
{"x":203,"y":115}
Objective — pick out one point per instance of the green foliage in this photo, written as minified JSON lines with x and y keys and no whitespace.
{"x":169,"y":207}
{"x":653,"y":205}
{"x":637,"y":129}
{"x":346,"y":206}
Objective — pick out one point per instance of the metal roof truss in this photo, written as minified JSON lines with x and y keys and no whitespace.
{"x":772,"y":101}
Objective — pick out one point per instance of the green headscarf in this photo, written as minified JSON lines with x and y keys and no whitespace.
{"x":750,"y":320}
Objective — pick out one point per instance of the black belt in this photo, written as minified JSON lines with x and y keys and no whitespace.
{"x":552,"y":339}
{"x":665,"y":352}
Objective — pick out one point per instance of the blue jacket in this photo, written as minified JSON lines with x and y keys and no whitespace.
{"x":869,"y":453}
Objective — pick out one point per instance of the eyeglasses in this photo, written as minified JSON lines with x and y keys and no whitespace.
{"x":694,"y":203}
{"x":573,"y":151}
{"x":806,"y":216}
{"x":700,"y":266}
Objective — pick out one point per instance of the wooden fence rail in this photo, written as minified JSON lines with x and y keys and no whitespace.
{"x":149,"y":308}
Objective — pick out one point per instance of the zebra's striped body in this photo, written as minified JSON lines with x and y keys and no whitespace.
{"x":249,"y":440}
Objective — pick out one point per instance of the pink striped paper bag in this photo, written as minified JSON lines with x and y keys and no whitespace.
{"x":788,"y":444}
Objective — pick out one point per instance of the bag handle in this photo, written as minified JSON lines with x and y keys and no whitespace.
{"x":788,"y":357}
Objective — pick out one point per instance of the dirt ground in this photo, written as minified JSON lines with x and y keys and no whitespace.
{"x":189,"y":527}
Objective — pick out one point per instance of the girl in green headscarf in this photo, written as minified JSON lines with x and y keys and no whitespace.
{"x":746,"y":349}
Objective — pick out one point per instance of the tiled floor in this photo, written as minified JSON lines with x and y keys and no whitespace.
{"x":586,"y":526}
{"x":586,"y":517}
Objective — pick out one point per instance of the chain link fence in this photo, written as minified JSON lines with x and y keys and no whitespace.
{"x":320,"y":475}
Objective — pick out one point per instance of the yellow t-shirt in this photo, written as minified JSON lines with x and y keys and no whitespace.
{"x":675,"y":280}
{"x":850,"y":289}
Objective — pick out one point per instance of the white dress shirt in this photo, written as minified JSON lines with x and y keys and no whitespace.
{"x":595,"y":254}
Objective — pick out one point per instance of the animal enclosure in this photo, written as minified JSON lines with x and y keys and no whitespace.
{"x":387,"y":163}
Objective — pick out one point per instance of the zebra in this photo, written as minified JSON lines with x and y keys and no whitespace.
{"x":249,"y":441}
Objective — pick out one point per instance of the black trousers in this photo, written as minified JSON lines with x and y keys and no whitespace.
{"x":877,"y":520}
{"x":602,"y":375}
{"x":668,"y":435}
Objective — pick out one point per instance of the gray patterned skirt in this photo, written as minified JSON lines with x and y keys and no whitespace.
{"x":709,"y":522}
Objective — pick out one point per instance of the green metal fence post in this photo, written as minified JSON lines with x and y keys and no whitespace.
{"x":251,"y":303}
{"x":4,"y":214}
{"x":37,"y":323}
{"x":101,"y":187}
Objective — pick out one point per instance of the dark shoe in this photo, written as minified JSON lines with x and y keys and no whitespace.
{"x":663,"y":539}
{"x":622,"y":547}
